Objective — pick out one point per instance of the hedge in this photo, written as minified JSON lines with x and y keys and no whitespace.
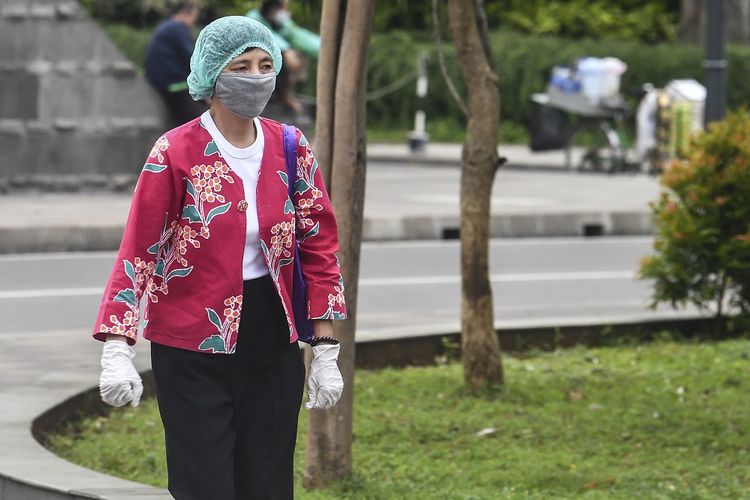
{"x":522,"y":63}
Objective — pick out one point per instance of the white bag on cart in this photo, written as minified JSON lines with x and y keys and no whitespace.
{"x":645,"y":125}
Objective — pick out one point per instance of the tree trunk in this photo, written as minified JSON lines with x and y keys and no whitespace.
{"x":331,"y":24}
{"x":693,"y":21}
{"x":719,"y":323}
{"x":479,"y":342}
{"x":329,"y":443}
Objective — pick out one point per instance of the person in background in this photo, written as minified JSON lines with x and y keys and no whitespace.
{"x":293,"y":42}
{"x":167,"y":62}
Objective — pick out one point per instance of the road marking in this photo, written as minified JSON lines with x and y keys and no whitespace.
{"x":55,"y":292}
{"x":406,"y":280}
{"x":53,"y":256}
{"x":502,"y":278}
{"x":515,"y":242}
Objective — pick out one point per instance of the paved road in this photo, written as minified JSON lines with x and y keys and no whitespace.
{"x":404,"y":287}
{"x":402,"y":202}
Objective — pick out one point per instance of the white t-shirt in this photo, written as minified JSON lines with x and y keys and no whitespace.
{"x":245,"y":162}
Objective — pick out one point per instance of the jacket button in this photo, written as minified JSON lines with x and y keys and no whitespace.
{"x":242,"y":206}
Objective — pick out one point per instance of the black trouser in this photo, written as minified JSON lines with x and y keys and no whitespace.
{"x":230,"y":421}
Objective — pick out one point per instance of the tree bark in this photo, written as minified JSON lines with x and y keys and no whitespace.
{"x":331,"y":24}
{"x":330,"y":432}
{"x":479,"y":343}
{"x":693,"y":21}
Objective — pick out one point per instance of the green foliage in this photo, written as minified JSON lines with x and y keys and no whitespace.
{"x":132,"y":42}
{"x":131,"y":12}
{"x":645,"y":20}
{"x":659,"y":420}
{"x":600,"y":19}
{"x":523,"y":65}
{"x":702,"y":218}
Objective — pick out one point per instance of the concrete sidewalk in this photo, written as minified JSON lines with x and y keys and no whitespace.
{"x":407,"y":198}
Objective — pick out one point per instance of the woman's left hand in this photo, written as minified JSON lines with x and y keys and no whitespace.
{"x":325,"y":384}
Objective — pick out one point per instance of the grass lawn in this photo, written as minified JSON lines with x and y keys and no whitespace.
{"x":660,"y":420}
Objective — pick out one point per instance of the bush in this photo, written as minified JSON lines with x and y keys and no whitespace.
{"x":131,"y":42}
{"x":703,"y":223}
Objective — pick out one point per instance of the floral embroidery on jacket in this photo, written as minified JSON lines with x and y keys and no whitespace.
{"x":171,"y":249}
{"x":308,"y":206}
{"x":280,"y":254}
{"x":306,"y":167}
{"x":139,"y":273}
{"x":225,"y":340}
{"x":336,"y":303}
{"x":161,"y":145}
{"x":204,"y":187}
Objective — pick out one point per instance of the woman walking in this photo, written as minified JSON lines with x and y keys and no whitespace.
{"x":216,"y":228}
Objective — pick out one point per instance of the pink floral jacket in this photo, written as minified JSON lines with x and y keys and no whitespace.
{"x":185,"y":236}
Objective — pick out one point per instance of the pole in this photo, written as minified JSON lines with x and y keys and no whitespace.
{"x":715,"y":62}
{"x":418,"y":137}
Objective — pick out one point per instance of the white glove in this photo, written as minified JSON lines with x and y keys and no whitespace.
{"x":119,"y":382}
{"x":325,"y":384}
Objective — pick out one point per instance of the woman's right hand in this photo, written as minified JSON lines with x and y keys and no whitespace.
{"x":119,"y":382}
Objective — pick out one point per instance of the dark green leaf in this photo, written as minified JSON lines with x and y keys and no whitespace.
{"x":217,"y":211}
{"x":211,"y":149}
{"x":153,"y":167}
{"x":214,"y":318}
{"x":288,"y":207}
{"x":284,"y":177}
{"x":127,"y":296}
{"x":129,"y":270}
{"x":159,"y":271}
{"x":301,"y":186}
{"x":191,"y":213}
{"x":214,"y":343}
{"x":312,"y":232}
{"x":190,"y":188}
{"x":179,"y":273}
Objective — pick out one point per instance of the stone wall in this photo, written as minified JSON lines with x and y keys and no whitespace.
{"x":74,"y":112}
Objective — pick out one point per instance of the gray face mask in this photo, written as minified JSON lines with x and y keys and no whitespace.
{"x":243,"y":94}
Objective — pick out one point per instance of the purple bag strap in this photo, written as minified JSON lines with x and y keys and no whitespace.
{"x":305,"y":327}
{"x":290,"y":155}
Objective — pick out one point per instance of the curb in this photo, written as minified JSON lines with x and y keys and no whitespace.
{"x":418,"y":160}
{"x":575,"y":224}
{"x":424,"y":345}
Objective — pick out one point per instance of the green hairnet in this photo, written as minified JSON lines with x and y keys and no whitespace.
{"x":220,"y":42}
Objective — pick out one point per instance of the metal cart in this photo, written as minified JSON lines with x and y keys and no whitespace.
{"x":552,"y":128}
